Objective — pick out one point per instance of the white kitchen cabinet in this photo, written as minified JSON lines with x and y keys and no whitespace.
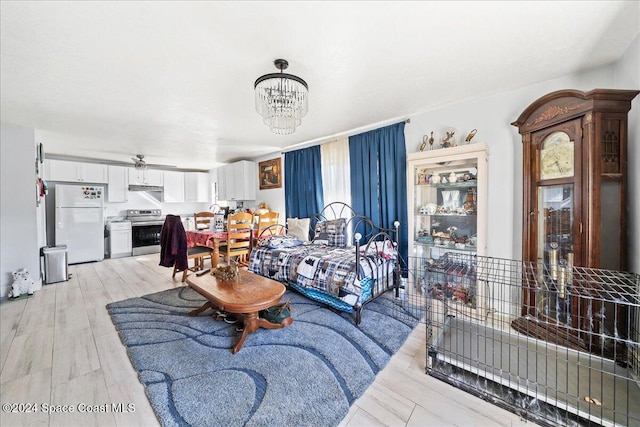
{"x":173,"y":186}
{"x":226,"y":181}
{"x":197,"y":187}
{"x":220,"y":183}
{"x":117,"y":190}
{"x":249,"y":180}
{"x":120,"y":239}
{"x":237,"y":181}
{"x":145,"y":177}
{"x":67,"y":171}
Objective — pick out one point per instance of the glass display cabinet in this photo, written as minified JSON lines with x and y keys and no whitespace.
{"x":447,"y":196}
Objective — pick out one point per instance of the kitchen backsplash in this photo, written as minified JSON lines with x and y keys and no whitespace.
{"x":140,"y":200}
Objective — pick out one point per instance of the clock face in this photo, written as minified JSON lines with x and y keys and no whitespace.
{"x":556,"y":156}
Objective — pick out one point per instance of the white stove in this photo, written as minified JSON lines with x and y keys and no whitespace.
{"x":143,"y":216}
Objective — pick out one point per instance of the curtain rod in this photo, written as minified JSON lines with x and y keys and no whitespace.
{"x":335,"y":137}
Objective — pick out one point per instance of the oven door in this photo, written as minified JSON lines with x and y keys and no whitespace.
{"x":145,"y":238}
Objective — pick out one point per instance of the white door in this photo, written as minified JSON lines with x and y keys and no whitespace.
{"x":82,"y":231}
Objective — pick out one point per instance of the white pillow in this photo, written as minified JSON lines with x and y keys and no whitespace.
{"x":299,"y":228}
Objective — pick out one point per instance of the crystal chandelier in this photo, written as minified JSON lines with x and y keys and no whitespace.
{"x":281,"y":99}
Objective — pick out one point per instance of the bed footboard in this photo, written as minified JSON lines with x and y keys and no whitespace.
{"x":383,"y":244}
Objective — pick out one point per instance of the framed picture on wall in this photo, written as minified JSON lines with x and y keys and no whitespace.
{"x":270,"y":174}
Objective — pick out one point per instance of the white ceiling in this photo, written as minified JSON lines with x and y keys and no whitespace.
{"x":174,"y":80}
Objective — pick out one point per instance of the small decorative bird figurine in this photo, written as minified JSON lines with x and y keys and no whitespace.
{"x":447,"y":141}
{"x":424,"y":142}
{"x":471,"y":135}
{"x":431,"y":141}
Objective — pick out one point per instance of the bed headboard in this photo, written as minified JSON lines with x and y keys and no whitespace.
{"x":335,"y":210}
{"x":355,"y":223}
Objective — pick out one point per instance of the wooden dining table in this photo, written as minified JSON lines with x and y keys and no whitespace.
{"x":211,"y":239}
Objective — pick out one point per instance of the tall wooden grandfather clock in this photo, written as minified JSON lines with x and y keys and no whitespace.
{"x":575,"y":178}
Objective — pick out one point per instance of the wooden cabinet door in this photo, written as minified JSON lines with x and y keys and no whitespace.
{"x":545,"y":225}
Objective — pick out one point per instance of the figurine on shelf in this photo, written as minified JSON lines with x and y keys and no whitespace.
{"x":452,"y":232}
{"x":431,"y":140}
{"x":471,"y":135}
{"x":423,"y":145}
{"x":447,"y":140}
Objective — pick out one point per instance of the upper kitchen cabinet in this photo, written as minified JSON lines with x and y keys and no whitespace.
{"x":173,"y":186}
{"x":237,"y":181}
{"x":197,"y":187}
{"x":145,"y":177}
{"x":66,"y":171}
{"x":117,"y":189}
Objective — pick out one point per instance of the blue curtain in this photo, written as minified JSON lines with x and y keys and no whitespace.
{"x":379,"y":178}
{"x":303,"y":182}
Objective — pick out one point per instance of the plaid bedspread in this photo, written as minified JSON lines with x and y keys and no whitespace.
{"x":326,"y":268}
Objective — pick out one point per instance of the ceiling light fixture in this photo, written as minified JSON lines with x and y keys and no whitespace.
{"x":281,"y":99}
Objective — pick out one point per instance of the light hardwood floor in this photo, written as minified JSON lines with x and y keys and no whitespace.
{"x":59,"y":347}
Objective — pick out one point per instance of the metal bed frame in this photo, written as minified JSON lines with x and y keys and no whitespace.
{"x":359,"y":229}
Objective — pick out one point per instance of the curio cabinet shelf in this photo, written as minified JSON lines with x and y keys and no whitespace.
{"x":447,"y":206}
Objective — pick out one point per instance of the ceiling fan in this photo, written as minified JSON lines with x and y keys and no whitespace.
{"x":140,"y":163}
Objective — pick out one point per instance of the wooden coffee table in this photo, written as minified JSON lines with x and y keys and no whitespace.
{"x":245,"y":297}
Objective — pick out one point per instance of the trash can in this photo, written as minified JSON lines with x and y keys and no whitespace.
{"x":55,"y":264}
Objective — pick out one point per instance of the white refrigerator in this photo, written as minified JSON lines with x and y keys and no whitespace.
{"x":80,"y":222}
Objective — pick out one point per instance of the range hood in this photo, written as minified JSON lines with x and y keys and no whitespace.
{"x":154,"y":191}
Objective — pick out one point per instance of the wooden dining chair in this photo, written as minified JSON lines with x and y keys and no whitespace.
{"x":197,"y":254}
{"x":239,"y":236}
{"x":203,"y":220}
{"x":266,"y":220}
{"x":174,"y":251}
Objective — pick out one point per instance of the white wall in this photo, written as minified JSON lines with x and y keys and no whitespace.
{"x":627,"y":76}
{"x":19,"y":224}
{"x":492,"y":116}
{"x":140,"y":200}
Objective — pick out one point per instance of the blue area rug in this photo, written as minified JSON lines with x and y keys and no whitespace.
{"x":307,"y":374}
